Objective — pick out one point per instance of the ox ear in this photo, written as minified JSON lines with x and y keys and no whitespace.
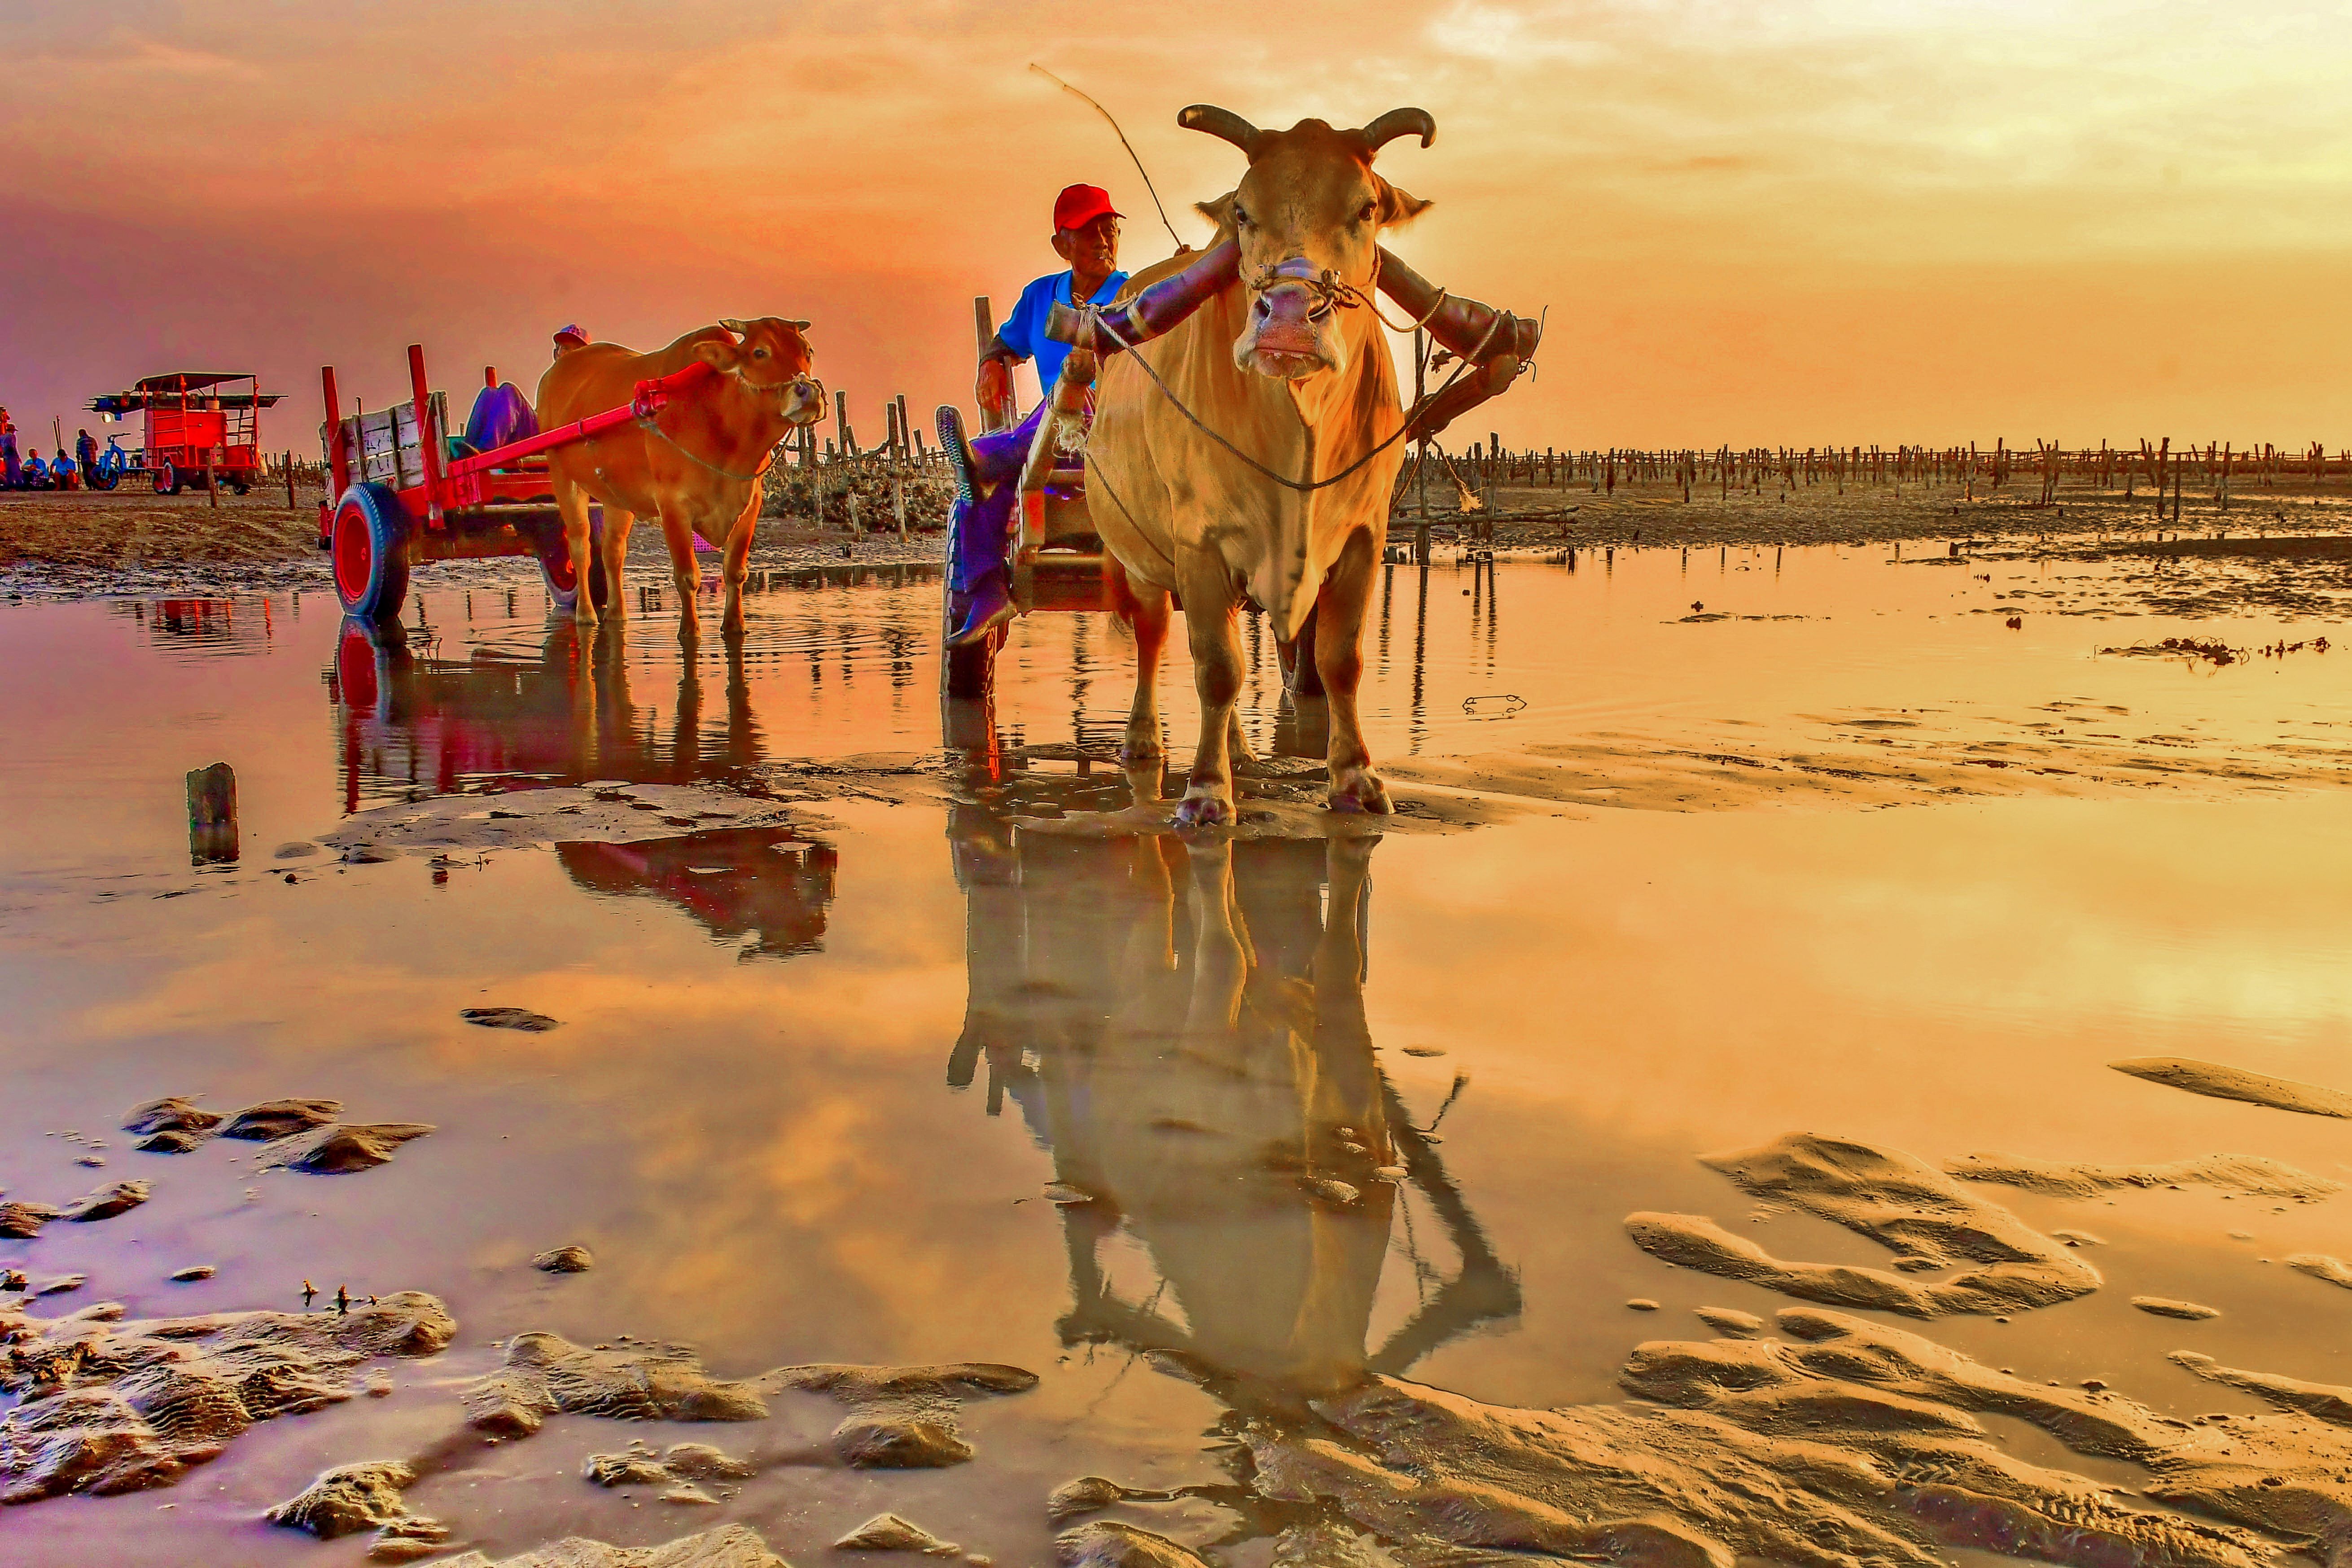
{"x":1219,"y":212}
{"x":720,"y":355}
{"x":1399,"y":206}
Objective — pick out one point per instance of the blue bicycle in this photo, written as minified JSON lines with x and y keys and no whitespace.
{"x":111,"y":465}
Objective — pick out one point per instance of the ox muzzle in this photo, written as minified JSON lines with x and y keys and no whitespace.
{"x":801,"y":400}
{"x":1292,"y":331}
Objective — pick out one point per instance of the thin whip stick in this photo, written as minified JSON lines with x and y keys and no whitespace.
{"x":1115,"y":131}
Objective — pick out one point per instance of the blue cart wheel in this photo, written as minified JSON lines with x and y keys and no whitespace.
{"x":371,"y":541}
{"x":555,"y":552}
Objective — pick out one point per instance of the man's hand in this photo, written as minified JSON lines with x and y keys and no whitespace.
{"x":995,"y":383}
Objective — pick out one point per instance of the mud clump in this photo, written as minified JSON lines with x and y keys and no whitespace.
{"x":106,"y":1203}
{"x":546,"y":1375}
{"x":340,"y":1148}
{"x":640,"y":1467}
{"x":108,"y":1405}
{"x":275,"y":1119}
{"x":902,"y":1419}
{"x":1084,"y":1495}
{"x":733,"y":1546}
{"x":889,"y":1532}
{"x":2166,"y":1306}
{"x":353,"y":1498}
{"x":23,"y":1221}
{"x":521,"y":1018}
{"x":173,"y":1114}
{"x":2320,"y":1265}
{"x":2220,"y":1082}
{"x":1108,"y":1543}
{"x":1730,"y":1320}
{"x":564,"y":1260}
{"x":2250,"y":1174}
{"x":1925,"y":1217}
{"x":1860,"y":1443}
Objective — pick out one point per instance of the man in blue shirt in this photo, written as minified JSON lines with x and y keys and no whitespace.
{"x":1085,"y":234}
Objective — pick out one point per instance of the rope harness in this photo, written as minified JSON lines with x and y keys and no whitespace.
{"x":652,"y":421}
{"x":1336,"y":292}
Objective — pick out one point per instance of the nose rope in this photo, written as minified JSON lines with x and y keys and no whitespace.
{"x":1329,"y":290}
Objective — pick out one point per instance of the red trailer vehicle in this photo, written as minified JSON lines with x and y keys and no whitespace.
{"x":406,"y":490}
{"x":202,"y":429}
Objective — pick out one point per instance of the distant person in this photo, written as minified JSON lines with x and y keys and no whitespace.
{"x":569,"y":338}
{"x":11,"y":469}
{"x":86,"y":453}
{"x":35,"y":474}
{"x":61,"y":472}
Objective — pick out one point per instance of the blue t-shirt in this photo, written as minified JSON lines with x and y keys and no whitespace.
{"x":1024,"y":331}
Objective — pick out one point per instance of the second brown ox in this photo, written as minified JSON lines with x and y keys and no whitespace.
{"x":696,"y":466}
{"x":1287,"y":365}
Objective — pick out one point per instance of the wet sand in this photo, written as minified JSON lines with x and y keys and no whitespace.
{"x":1305,"y":1168}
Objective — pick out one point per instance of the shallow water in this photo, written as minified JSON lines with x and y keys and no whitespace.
{"x":813,"y":1079}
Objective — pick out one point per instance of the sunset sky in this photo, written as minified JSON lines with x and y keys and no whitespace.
{"x":1853,"y":221}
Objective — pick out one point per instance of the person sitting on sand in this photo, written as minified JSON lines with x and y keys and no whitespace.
{"x":33,"y":474}
{"x":1085,"y":234}
{"x":61,"y":472}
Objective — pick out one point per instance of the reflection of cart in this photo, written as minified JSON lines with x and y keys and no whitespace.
{"x":407,"y":491}
{"x":201,"y":430}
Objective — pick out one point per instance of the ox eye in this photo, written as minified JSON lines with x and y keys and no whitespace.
{"x":1366,"y":216}
{"x":759,"y":353}
{"x":1241,"y":217}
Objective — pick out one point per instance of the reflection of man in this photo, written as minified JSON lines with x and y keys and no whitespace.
{"x":569,"y":338}
{"x":1085,"y":234}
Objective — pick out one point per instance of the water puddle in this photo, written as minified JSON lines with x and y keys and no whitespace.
{"x":1689,"y":1132}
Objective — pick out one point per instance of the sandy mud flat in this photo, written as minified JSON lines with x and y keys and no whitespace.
{"x":1811,"y":1073}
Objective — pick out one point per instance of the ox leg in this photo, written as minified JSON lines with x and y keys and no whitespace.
{"x":1339,"y":659}
{"x":683,"y":574}
{"x":1146,"y":611}
{"x":1208,"y":625}
{"x":617,"y":524}
{"x":737,"y":562}
{"x":572,"y":503}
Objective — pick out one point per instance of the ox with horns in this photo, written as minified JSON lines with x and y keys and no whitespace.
{"x":1247,"y":451}
{"x":695,"y":461}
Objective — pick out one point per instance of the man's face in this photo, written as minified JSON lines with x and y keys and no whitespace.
{"x":1092,"y":248}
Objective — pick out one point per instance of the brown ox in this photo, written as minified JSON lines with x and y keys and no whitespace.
{"x":1288,"y":365}
{"x":697,"y":466}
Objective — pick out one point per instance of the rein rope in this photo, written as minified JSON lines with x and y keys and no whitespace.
{"x":1334,"y":289}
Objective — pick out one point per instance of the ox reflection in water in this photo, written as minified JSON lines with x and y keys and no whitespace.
{"x":496,"y":725}
{"x":1182,"y":1025}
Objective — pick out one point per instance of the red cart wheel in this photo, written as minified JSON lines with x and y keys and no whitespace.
{"x":165,"y":477}
{"x":371,"y":535}
{"x":555,"y":552}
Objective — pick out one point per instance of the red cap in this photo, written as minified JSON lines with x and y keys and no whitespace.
{"x":1079,"y":205}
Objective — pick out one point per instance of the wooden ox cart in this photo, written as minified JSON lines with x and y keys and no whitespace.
{"x":405,"y":491}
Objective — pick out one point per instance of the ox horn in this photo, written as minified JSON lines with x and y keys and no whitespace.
{"x":1223,"y":123}
{"x":736,"y":327}
{"x":798,"y":326}
{"x":1397,"y":122}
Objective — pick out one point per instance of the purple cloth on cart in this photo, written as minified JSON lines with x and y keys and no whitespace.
{"x":983,"y":528}
{"x":502,"y":414}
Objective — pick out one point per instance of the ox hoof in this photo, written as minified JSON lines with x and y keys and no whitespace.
{"x":1361,"y":791}
{"x":1203,"y":810}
